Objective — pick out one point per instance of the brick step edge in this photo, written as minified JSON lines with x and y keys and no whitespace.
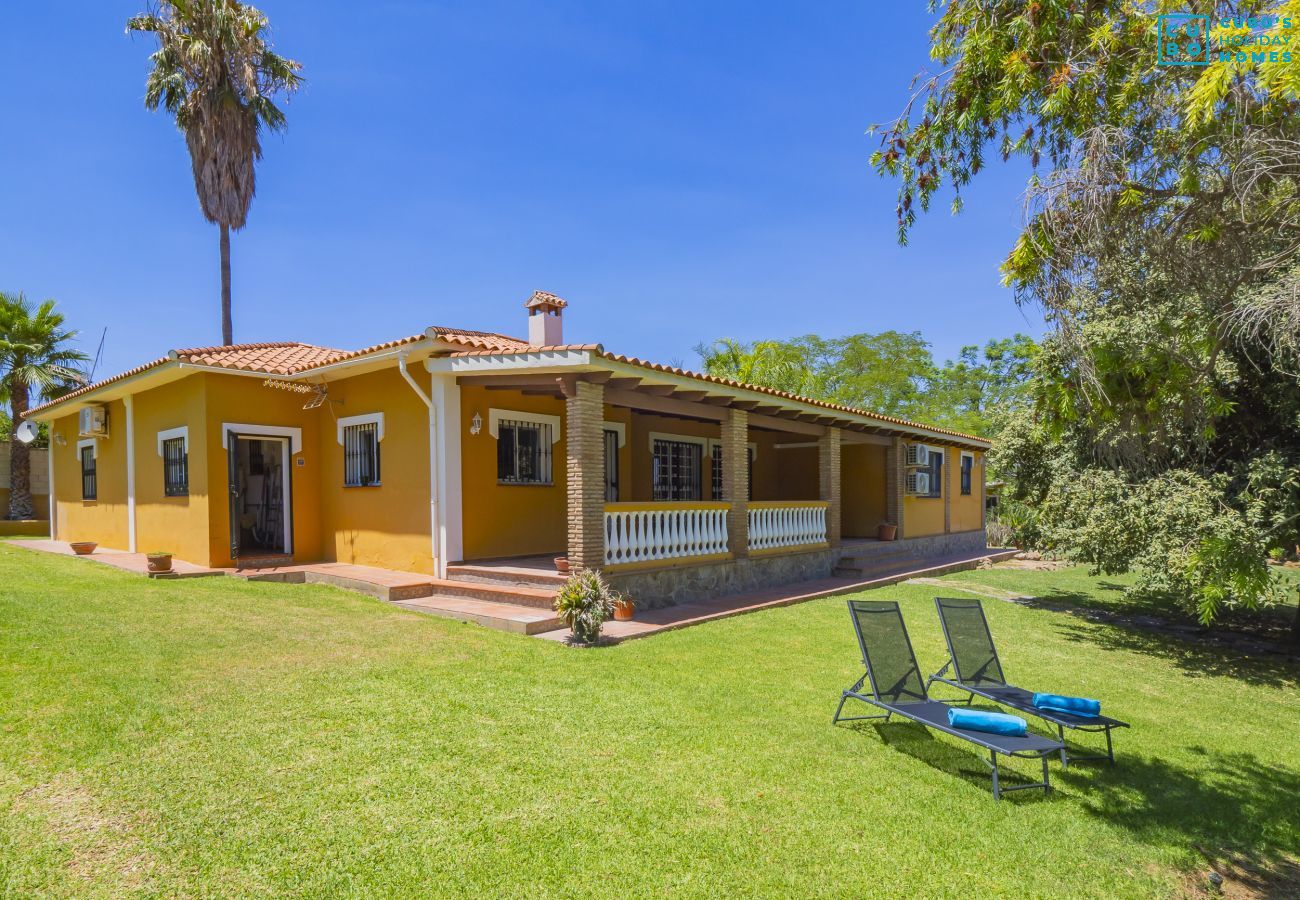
{"x":486,"y":575}
{"x":429,"y":606}
{"x":517,"y":595}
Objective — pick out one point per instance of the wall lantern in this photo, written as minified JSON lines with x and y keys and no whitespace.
{"x":476,"y":424}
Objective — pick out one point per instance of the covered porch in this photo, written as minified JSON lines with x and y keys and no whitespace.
{"x":675,"y":487}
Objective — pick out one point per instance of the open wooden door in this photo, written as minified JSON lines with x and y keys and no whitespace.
{"x":236,"y":504}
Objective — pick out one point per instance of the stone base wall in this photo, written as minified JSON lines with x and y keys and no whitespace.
{"x":688,"y":583}
{"x":944,"y":544}
{"x":691,"y":582}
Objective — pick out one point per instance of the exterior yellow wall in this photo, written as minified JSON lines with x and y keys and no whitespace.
{"x":175,"y":524}
{"x":968,"y":512}
{"x":244,"y":400}
{"x":862,"y":489}
{"x":102,"y":520}
{"x":508,"y":519}
{"x":638,"y":486}
{"x":386,"y":525}
{"x":923,"y":516}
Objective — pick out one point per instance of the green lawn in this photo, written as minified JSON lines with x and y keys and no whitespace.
{"x":214,"y":737}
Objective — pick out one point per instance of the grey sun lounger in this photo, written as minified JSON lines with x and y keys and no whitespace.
{"x":978,"y":671}
{"x":897,"y":688}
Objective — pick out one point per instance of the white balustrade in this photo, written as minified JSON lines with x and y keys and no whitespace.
{"x":646,"y":532}
{"x":776,"y":525}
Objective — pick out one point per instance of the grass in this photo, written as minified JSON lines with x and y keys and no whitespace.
{"x":216,"y":737}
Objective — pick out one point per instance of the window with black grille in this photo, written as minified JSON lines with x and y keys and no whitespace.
{"x":89,"y":480}
{"x":717,"y":474}
{"x":611,"y":466}
{"x":523,"y":452}
{"x":936,"y":473}
{"x":361,"y":455}
{"x":677,"y":470}
{"x":176,"y":468}
{"x":967,"y":465}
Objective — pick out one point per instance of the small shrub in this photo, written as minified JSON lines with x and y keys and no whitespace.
{"x":584,"y":603}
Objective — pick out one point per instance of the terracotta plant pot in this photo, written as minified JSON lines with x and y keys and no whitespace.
{"x":562,"y":565}
{"x":886,"y":532}
{"x":623,"y":610}
{"x":160,"y":562}
{"x":83,"y":548}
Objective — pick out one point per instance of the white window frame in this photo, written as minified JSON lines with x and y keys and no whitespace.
{"x":92,"y":443}
{"x":966,"y":454}
{"x":496,"y":416}
{"x":375,"y":418}
{"x":620,"y":428}
{"x":294,"y":435}
{"x":171,"y":434}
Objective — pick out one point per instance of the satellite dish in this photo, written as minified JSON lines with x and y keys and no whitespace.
{"x":27,"y":432}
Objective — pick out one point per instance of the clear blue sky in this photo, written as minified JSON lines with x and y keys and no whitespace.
{"x":678,"y":172}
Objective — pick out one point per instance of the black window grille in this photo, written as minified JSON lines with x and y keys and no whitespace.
{"x":523,"y":452}
{"x":611,"y":466}
{"x":361,"y":455}
{"x":176,"y":468}
{"x":967,"y":464}
{"x":717,"y":474}
{"x":677,"y":470}
{"x":89,"y":480}
{"x":936,"y":473}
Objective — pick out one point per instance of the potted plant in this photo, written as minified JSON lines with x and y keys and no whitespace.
{"x":584,"y":603}
{"x":623,"y":608}
{"x":886,"y":531}
{"x":159,"y":561}
{"x":83,"y":548}
{"x":562,"y":565}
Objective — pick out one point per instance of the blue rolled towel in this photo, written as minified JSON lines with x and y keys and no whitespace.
{"x":991,"y":722}
{"x":1075,"y":706}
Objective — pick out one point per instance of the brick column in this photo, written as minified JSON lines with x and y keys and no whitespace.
{"x":894,"y":484}
{"x":734,"y":448}
{"x":828,"y":465}
{"x":584,"y":411}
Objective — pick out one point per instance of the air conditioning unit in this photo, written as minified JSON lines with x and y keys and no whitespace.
{"x":918,"y":483}
{"x":918,"y":455}
{"x":94,"y":421}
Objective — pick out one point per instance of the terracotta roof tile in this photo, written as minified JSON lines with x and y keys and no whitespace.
{"x":273,"y":358}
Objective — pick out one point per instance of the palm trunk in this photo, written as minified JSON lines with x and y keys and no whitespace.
{"x":227,"y":326}
{"x":20,"y":460}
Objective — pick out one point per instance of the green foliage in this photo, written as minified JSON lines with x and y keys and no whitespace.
{"x":889,"y":372}
{"x":584,"y":603}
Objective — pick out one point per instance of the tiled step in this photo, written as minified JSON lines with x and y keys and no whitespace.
{"x":516,"y":594}
{"x":488,"y":613}
{"x":384,"y":585}
{"x":508,"y":575}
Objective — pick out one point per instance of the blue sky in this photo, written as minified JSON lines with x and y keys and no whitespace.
{"x":678,"y":172}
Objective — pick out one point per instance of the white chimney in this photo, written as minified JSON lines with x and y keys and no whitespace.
{"x":545,"y":320}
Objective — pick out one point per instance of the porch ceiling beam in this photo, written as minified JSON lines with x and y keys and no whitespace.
{"x":656,"y":390}
{"x":669,"y":405}
{"x":747,"y":405}
{"x":788,"y":425}
{"x":721,"y":401}
{"x":690,"y":396}
{"x":622,"y":384}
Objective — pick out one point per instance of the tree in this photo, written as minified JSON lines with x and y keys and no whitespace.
{"x":36,"y":364}
{"x":1162,"y":238}
{"x":975,"y":392}
{"x":214,"y":70}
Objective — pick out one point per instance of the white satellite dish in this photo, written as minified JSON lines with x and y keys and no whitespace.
{"x":27,"y":432}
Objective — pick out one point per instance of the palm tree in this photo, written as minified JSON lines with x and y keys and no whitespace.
{"x":214,"y":70}
{"x":35,"y":364}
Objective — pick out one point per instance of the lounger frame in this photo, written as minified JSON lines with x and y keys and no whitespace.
{"x":901,"y":709}
{"x":1005,"y":694}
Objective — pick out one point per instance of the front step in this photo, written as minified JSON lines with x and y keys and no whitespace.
{"x":493,"y":614}
{"x":504,"y":575}
{"x":496,"y":592}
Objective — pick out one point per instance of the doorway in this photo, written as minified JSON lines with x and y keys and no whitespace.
{"x":260,"y":510}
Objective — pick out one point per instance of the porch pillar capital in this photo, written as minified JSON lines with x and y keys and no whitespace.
{"x":734,"y":447}
{"x":828,"y":467}
{"x":584,"y":409}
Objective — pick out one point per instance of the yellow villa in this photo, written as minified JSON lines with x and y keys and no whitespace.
{"x":447,"y":451}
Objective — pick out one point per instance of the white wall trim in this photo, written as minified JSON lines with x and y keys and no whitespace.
{"x":375,"y":418}
{"x":496,"y":415}
{"x":703,"y":442}
{"x":52,"y":499}
{"x":293,"y":434}
{"x":83,"y":444}
{"x":129,"y":403}
{"x":170,"y":434}
{"x":449,"y":538}
{"x":620,"y":428}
